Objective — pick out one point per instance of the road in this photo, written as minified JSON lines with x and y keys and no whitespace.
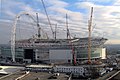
{"x":107,"y":75}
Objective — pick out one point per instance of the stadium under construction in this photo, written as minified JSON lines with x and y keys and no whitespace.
{"x":70,"y":51}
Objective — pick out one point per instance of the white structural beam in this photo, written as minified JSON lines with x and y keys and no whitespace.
{"x":13,"y":35}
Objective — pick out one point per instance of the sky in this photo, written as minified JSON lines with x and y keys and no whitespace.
{"x":106,"y":17}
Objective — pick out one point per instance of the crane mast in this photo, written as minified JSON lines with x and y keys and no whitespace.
{"x":89,"y":36}
{"x":69,"y":37}
{"x":55,"y":31}
{"x":39,"y":35}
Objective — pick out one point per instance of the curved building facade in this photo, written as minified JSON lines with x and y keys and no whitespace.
{"x":95,"y":53}
{"x":59,"y":50}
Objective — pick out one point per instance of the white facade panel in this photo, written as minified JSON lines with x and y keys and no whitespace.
{"x":60,"y":54}
{"x":103,"y":54}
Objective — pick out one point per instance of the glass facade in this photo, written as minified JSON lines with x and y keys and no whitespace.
{"x":83,"y":54}
{"x":6,"y":52}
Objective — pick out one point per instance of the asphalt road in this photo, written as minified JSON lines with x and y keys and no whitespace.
{"x":107,"y":75}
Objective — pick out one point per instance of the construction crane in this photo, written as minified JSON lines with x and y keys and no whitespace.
{"x":55,"y":31}
{"x":69,"y":37}
{"x":39,"y":35}
{"x":68,"y":33}
{"x":89,"y":36}
{"x":48,"y":18}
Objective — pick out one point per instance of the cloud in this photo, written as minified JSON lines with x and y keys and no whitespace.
{"x":55,"y":3}
{"x":12,"y":7}
{"x":106,"y":17}
{"x":95,"y":0}
{"x":117,"y":3}
{"x":85,"y":5}
{"x":5,"y":32}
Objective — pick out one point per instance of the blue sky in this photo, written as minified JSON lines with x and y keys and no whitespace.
{"x":105,"y":17}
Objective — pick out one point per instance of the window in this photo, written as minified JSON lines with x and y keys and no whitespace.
{"x":38,"y":57}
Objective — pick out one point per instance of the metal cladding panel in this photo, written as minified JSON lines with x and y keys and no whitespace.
{"x":60,"y":54}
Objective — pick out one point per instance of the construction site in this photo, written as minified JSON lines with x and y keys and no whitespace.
{"x":76,"y":57}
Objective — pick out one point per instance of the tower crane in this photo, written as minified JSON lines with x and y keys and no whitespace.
{"x":69,"y":37}
{"x":48,"y":18}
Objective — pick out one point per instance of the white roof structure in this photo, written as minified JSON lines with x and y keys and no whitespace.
{"x":39,"y":66}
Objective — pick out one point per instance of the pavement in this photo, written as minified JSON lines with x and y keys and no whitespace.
{"x":9,"y":69}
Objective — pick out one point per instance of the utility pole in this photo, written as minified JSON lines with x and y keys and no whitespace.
{"x":89,"y":36}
